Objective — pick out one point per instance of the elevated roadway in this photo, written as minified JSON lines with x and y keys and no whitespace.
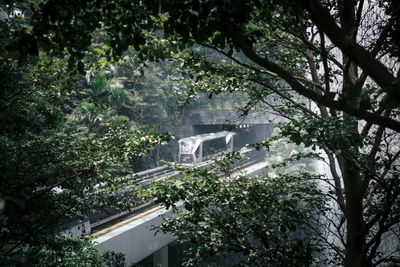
{"x":134,"y":236}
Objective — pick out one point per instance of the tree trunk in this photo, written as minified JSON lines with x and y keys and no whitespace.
{"x":354,"y":255}
{"x":352,"y":179}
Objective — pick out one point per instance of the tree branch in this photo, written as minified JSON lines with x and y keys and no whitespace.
{"x":375,"y":69}
{"x":299,"y":88}
{"x":336,"y":179}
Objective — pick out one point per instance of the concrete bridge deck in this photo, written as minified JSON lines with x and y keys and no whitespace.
{"x":135,"y":238}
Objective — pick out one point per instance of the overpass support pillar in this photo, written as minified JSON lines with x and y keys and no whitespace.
{"x":160,"y":257}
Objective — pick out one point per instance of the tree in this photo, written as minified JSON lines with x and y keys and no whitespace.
{"x":289,"y":55}
{"x":90,"y":113}
{"x":67,"y":251}
{"x":332,"y":65}
{"x":37,"y":158}
{"x":152,"y":98}
{"x":48,"y":176}
{"x":265,"y":222}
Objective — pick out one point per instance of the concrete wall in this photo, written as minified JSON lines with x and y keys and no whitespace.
{"x":136,"y":239}
{"x":220,"y":117}
{"x":250,"y":134}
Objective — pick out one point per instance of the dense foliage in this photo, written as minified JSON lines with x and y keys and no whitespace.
{"x":61,"y":136}
{"x":331,"y":68}
{"x":338,"y":94}
{"x":38,"y":159}
{"x":263,"y":220}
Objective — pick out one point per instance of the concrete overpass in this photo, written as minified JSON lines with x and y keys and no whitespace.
{"x":220,"y":117}
{"x":136,"y":238}
{"x":255,"y":127}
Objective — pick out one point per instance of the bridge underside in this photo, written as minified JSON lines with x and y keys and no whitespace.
{"x":255,"y":127}
{"x":247,"y":133}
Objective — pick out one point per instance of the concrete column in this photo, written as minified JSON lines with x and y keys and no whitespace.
{"x":160,"y":257}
